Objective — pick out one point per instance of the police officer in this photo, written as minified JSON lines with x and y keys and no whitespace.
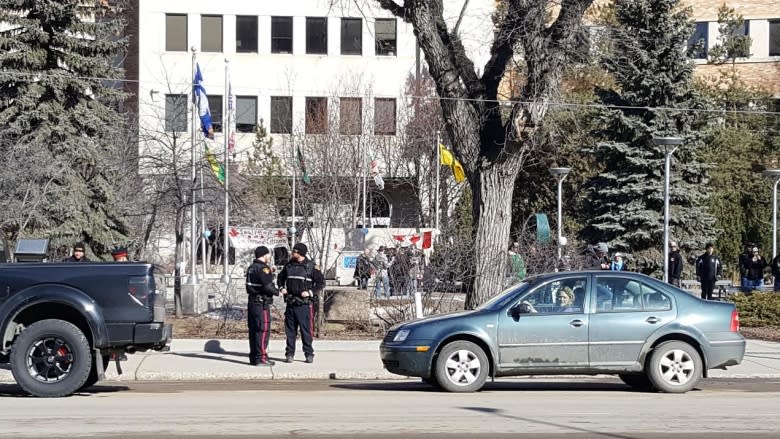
{"x":298,"y":284}
{"x":261,"y":290}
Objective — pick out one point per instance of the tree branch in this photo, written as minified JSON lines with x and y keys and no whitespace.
{"x":394,"y":8}
{"x":505,"y":39}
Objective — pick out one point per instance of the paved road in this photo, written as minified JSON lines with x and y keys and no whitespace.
{"x":587,"y":408}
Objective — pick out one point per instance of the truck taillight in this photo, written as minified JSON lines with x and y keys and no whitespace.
{"x":734,"y":321}
{"x":138,"y":290}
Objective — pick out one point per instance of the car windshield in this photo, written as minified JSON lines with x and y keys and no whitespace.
{"x":501,"y":298}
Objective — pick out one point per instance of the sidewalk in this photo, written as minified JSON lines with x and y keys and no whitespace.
{"x":193,"y":359}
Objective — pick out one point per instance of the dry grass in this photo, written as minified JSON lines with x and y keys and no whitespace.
{"x":202,"y":327}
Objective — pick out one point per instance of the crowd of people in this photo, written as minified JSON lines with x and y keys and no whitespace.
{"x":396,"y":271}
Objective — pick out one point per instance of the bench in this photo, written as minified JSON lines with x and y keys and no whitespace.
{"x":724,"y":288}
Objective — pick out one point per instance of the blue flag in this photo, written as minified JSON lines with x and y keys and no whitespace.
{"x":202,"y":103}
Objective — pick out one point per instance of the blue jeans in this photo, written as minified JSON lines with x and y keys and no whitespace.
{"x":383,"y":281}
{"x":749,"y":285}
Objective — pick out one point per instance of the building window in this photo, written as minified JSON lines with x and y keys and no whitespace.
{"x":316,"y":36}
{"x":281,"y":34}
{"x":351,"y":36}
{"x":697,"y":43}
{"x":350,"y":116}
{"x":281,"y":114}
{"x":246,"y":34}
{"x":316,"y":115}
{"x":774,"y":38}
{"x":175,"y":113}
{"x":385,"y":34}
{"x":175,"y":32}
{"x":211,"y":33}
{"x":384,"y":116}
{"x":215,"y":107}
{"x":246,"y":114}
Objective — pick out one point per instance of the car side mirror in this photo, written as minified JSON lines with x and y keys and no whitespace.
{"x":521,"y":308}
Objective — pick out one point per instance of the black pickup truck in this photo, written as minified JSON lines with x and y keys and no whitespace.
{"x":61,"y":323}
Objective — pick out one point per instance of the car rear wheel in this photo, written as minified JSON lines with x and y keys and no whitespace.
{"x":675,"y":367}
{"x":637,"y":381}
{"x":462,"y":366}
{"x":51,"y":358}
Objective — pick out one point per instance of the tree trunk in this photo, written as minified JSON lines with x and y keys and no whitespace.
{"x":492,"y":210}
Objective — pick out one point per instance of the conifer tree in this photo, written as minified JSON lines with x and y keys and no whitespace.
{"x":624,"y":202}
{"x":59,"y":120}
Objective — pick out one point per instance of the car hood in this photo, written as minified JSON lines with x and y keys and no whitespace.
{"x":438,"y":318}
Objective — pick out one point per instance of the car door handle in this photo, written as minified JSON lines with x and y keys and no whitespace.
{"x":653,"y":320}
{"x":576,"y":323}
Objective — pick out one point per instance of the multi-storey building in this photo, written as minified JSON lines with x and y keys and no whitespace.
{"x":761,"y":23}
{"x":304,"y":68}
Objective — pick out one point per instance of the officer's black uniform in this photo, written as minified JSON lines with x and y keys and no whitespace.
{"x":298,"y":277}
{"x":708,"y":270}
{"x":261,"y":290}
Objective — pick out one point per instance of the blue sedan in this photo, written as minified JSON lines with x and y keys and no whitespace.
{"x":651,"y":334}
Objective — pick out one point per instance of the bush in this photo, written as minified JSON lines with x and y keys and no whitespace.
{"x":758,"y":309}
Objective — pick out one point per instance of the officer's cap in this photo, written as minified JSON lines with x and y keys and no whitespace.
{"x":261,"y":251}
{"x":300,"y":248}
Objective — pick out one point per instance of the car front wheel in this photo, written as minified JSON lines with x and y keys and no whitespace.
{"x":675,"y":367}
{"x":462,"y":366}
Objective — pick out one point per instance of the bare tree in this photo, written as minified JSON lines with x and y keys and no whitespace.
{"x":493,"y":140}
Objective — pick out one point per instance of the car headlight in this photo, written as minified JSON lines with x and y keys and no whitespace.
{"x":401,"y":335}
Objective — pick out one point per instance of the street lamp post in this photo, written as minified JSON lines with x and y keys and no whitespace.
{"x":774,"y":174}
{"x":669,"y":144}
{"x":560,"y":174}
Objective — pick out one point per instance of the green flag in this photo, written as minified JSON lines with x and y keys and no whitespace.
{"x":302,"y":163}
{"x":216,"y":167}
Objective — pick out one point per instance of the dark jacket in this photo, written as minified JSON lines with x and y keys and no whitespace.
{"x":260,"y":280}
{"x":72,"y":259}
{"x":593,"y":261}
{"x":755,"y":269}
{"x":363,"y":267}
{"x":708,"y":267}
{"x":675,"y":265}
{"x":298,"y":277}
{"x":743,"y":264}
{"x":776,"y":266}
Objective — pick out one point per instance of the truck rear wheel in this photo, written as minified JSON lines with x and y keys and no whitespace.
{"x":51,"y":358}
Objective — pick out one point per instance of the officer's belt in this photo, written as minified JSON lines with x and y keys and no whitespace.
{"x":254,"y":285}
{"x":298,"y":277}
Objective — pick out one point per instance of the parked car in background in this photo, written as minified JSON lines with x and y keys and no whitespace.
{"x":651,"y":334}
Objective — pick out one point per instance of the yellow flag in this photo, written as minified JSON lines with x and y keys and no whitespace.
{"x":445,"y":156}
{"x":448,"y":159}
{"x":457,"y":171}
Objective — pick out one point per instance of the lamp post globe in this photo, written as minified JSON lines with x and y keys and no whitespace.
{"x":773,"y":174}
{"x":560,"y":174}
{"x":669,"y":145}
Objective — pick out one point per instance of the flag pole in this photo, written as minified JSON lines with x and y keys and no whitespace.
{"x":193,"y":277}
{"x":294,"y":177}
{"x":202,"y":209}
{"x":226,"y":129}
{"x":365,"y":184}
{"x":438,"y":177}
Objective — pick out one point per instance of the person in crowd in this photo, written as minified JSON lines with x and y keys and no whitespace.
{"x":618,"y":263}
{"x":363,"y":269}
{"x":400,"y":272}
{"x":597,"y":257}
{"x":382,"y":282}
{"x":755,"y":266}
{"x":516,"y":265}
{"x":298,"y":284}
{"x":260,"y":290}
{"x":675,"y":264}
{"x":78,"y":254}
{"x":708,"y":271}
{"x":415,"y":270}
{"x":776,"y":271}
{"x":744,"y":262}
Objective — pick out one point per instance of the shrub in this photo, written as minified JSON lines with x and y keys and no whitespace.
{"x":758,"y":309}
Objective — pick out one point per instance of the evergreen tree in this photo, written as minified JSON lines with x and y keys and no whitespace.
{"x":623,"y":205}
{"x":59,"y":119}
